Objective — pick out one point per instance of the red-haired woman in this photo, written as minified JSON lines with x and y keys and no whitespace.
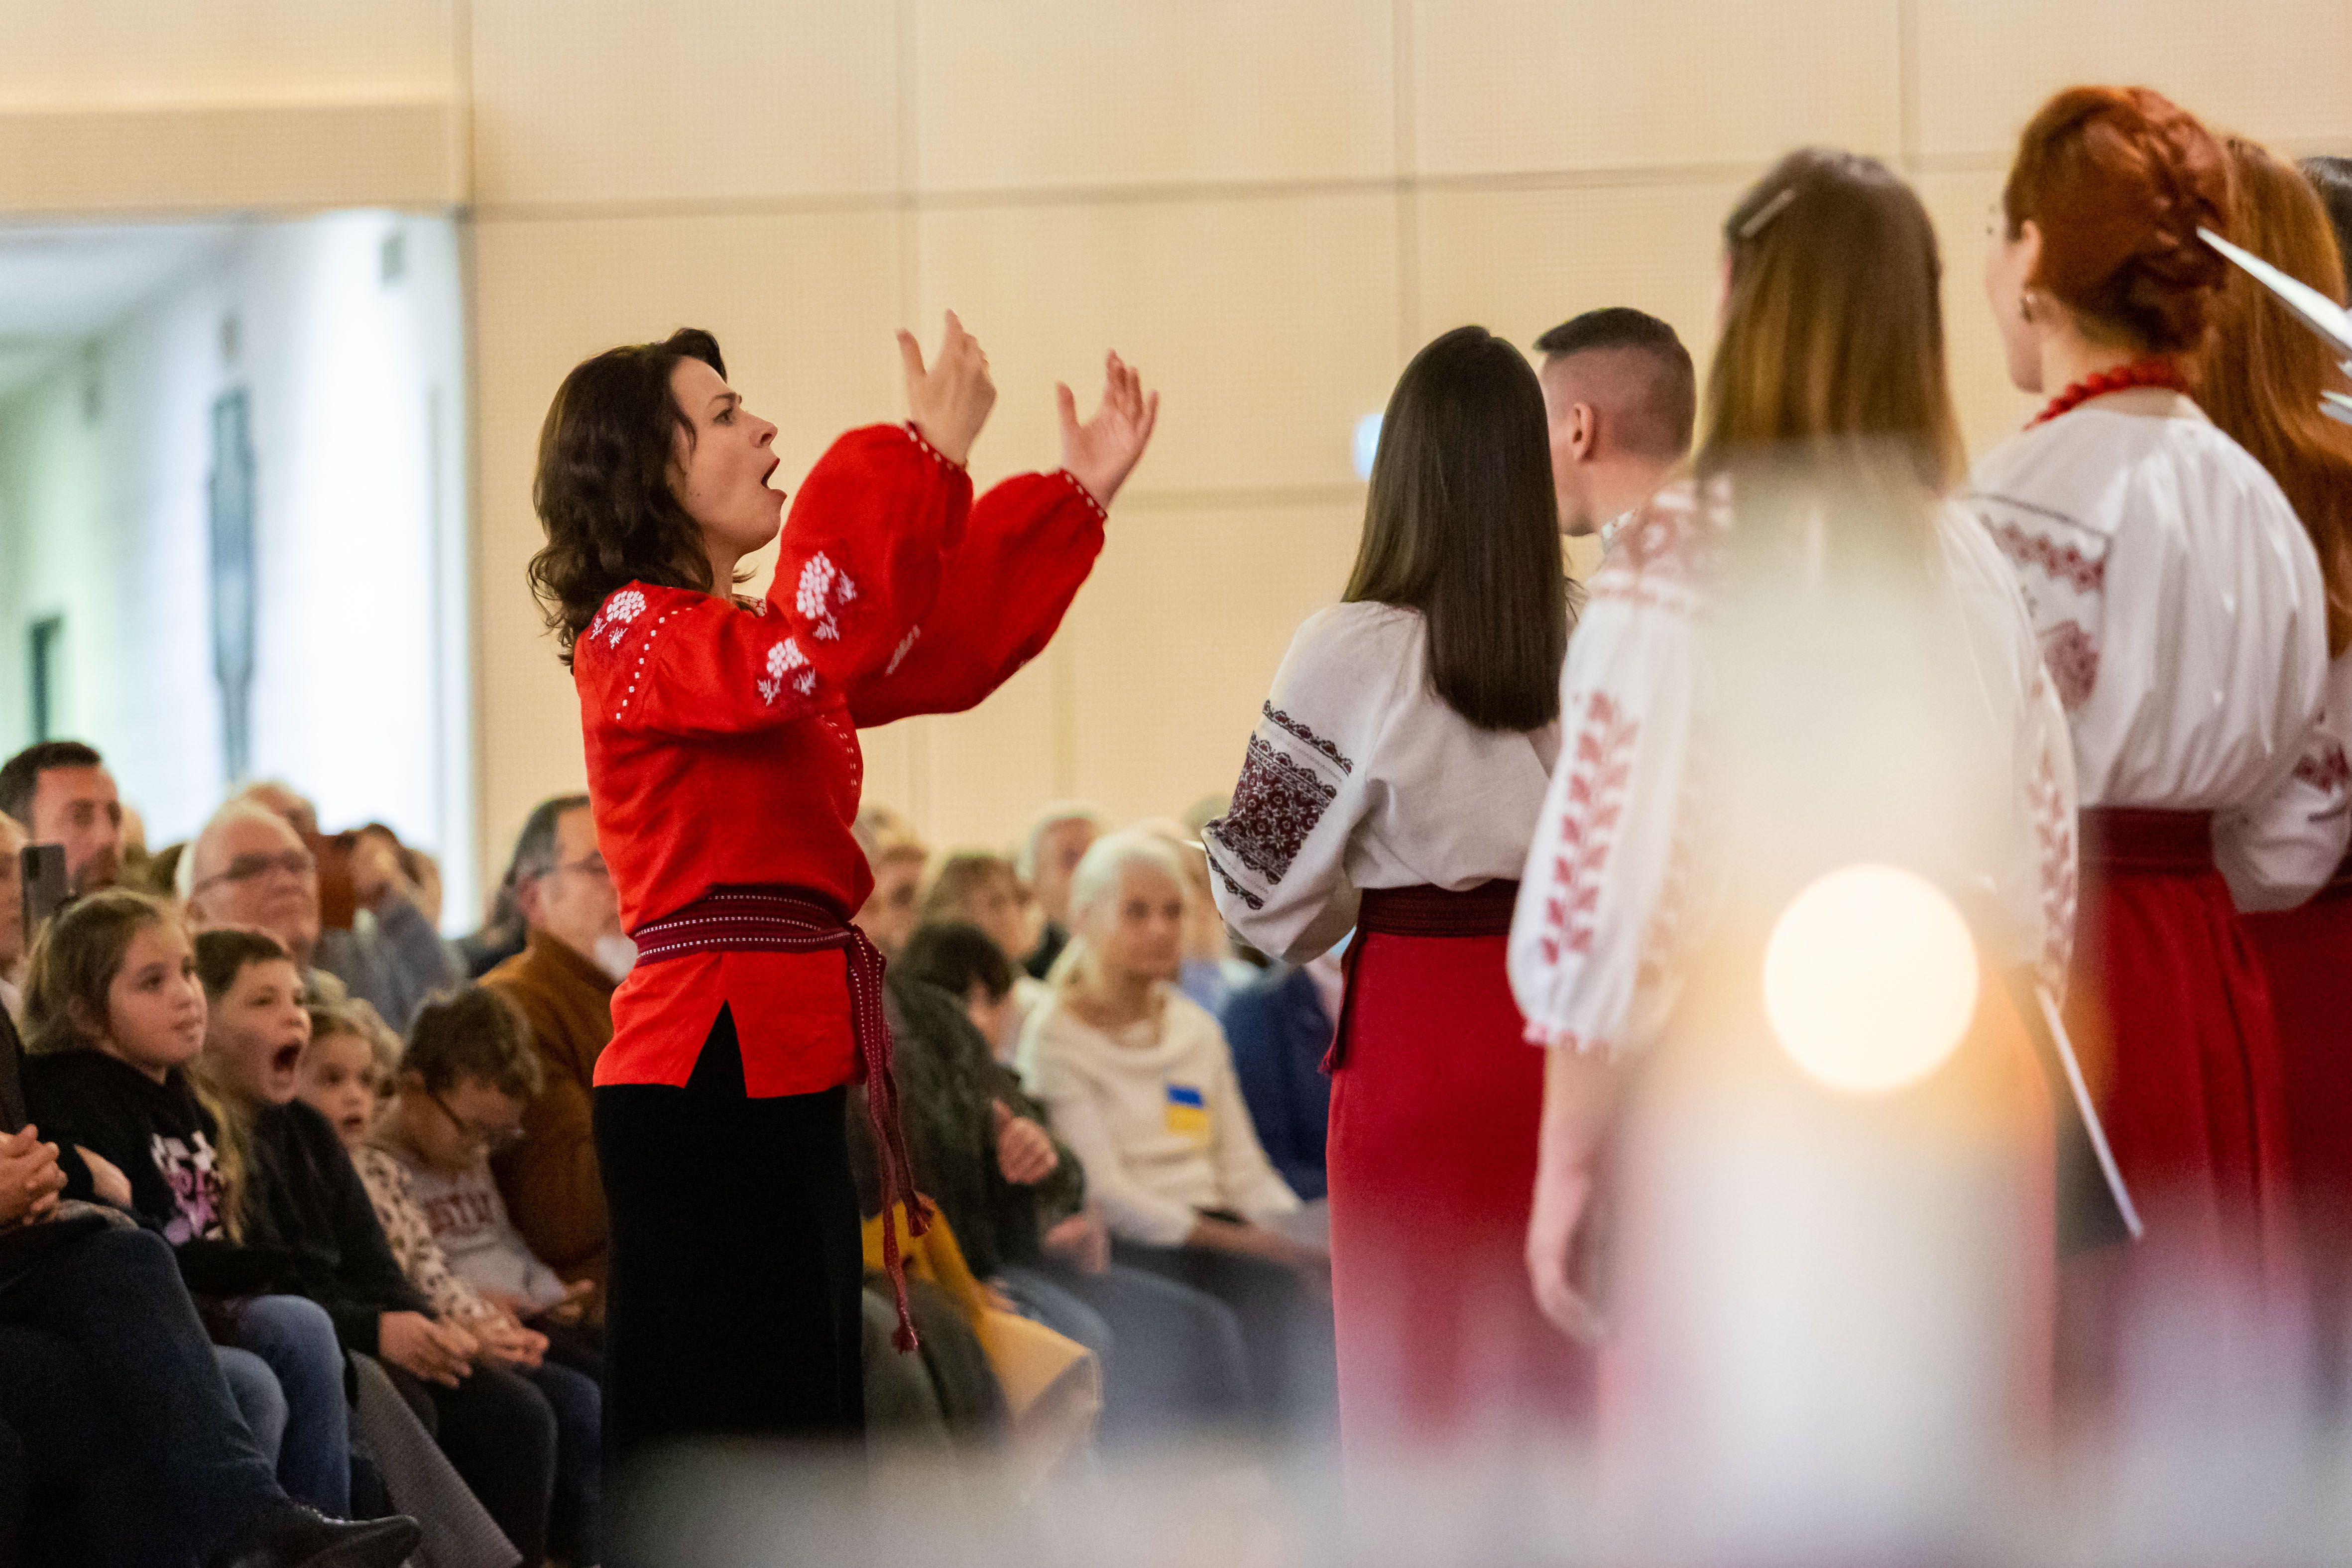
{"x":2182,"y":615}
{"x":724,"y":769}
{"x":2260,"y":378}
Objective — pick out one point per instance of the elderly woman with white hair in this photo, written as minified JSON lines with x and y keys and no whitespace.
{"x":1140,"y":1083}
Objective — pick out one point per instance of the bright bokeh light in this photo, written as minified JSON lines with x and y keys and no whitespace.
{"x":1870,"y":978}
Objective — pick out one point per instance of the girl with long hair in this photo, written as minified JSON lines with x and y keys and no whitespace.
{"x":723,"y":770}
{"x":2260,"y":379}
{"x":1803,"y":659}
{"x":1391,"y":788}
{"x":2184,"y":618}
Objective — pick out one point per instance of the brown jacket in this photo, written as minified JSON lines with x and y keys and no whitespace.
{"x":549,"y":1179}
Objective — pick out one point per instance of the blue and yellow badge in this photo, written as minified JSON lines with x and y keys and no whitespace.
{"x":1188,"y":1112}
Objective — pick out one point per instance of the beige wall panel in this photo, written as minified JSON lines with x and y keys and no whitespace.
{"x":1019,"y":93}
{"x":803,"y":307}
{"x":1518,"y":262}
{"x":646,"y":99}
{"x":1505,"y":86}
{"x":1268,"y":324}
{"x":1176,"y":640}
{"x":2280,"y":70}
{"x":976,"y":777}
{"x":117,"y":52}
{"x":1991,"y":408}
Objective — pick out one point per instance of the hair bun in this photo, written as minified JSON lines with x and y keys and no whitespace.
{"x":2119,"y":180}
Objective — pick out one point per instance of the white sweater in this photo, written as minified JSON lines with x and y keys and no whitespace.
{"x":1154,"y":1112}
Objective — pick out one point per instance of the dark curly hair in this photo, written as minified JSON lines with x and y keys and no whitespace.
{"x":603,"y":490}
{"x":2119,"y":179}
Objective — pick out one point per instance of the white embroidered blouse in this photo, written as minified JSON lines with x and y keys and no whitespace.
{"x":2180,"y":611}
{"x":1623,"y":877}
{"x":1359,"y":775}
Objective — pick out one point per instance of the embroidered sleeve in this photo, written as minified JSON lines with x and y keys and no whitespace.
{"x":2062,"y":569}
{"x":671,"y":661}
{"x":2284,"y":846}
{"x":1277,"y":858}
{"x":865,"y":551}
{"x":1029,"y":545}
{"x":1614,"y":888}
{"x":2052,"y":808}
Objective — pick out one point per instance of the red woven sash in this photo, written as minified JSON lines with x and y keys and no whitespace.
{"x":786,"y":920}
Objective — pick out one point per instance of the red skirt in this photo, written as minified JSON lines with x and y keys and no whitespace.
{"x":1435,"y":1102}
{"x":2172,"y":1015}
{"x":2306,"y":957}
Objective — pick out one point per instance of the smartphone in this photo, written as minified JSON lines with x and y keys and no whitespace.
{"x":44,"y":867}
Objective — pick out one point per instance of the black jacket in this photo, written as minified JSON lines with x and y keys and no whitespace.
{"x":308,"y":1228}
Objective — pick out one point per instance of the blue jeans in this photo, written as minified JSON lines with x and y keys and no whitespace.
{"x":294,"y":1335}
{"x":579,"y":1406}
{"x":1172,"y":1356}
{"x":258,"y":1398}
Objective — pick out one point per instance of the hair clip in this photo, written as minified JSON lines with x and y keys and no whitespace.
{"x":1768,"y":212}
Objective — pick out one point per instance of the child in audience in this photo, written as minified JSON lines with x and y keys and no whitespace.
{"x":342,"y":1072}
{"x":975,"y":888}
{"x":290,"y":1187}
{"x":117,"y":1015}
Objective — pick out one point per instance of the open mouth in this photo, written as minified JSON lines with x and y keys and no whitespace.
{"x":285,"y":1058}
{"x":774,"y":464}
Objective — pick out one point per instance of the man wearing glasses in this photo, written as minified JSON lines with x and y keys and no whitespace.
{"x":250,"y":867}
{"x":564,"y":979}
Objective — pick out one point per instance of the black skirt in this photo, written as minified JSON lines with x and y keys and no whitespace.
{"x":733,"y":1306}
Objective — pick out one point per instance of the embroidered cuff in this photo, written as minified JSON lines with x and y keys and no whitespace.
{"x":1086,"y":495}
{"x":916,"y":435}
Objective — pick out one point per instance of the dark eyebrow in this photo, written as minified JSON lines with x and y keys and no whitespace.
{"x":728,"y":398}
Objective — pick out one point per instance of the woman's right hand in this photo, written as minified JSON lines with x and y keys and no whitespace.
{"x":437,"y":1353}
{"x":30,"y":1177}
{"x":1258,"y":1241}
{"x":950,"y":400}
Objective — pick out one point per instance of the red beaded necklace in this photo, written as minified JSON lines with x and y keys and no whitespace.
{"x":2143,"y":373}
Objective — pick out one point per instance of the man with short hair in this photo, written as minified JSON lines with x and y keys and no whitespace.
{"x":1621,"y":399}
{"x":573,"y":956}
{"x":248,"y":867}
{"x":60,"y":793}
{"x":1058,"y":840}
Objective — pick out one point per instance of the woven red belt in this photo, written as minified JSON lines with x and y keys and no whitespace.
{"x":790,"y":920}
{"x":2131,"y":839}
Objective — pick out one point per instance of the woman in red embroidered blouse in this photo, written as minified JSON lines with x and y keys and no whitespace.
{"x":724,"y":770}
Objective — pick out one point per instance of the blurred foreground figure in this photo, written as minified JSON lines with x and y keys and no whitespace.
{"x":1392,"y":787}
{"x":1809,"y":833}
{"x":2260,"y":378}
{"x":2183,"y":616}
{"x":735,"y":1269}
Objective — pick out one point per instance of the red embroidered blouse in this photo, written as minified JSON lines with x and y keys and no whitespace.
{"x":721,"y":736}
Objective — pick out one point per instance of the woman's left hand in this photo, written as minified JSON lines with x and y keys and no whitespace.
{"x":1104,"y":450}
{"x":1025,"y":1151}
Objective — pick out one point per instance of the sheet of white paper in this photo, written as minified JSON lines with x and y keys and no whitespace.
{"x":2090,"y":1113}
{"x":2324,"y":315}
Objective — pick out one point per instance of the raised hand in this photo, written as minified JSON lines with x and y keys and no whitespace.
{"x":1103,"y":451}
{"x":950,"y":400}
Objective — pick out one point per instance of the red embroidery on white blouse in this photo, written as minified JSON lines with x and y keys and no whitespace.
{"x":1679,"y":896}
{"x":1235,"y":888}
{"x":2054,"y":830}
{"x":1661,"y":558}
{"x":1596,"y":800}
{"x":1275,"y":805}
{"x":824,"y":589}
{"x":1302,"y":731}
{"x":2060,"y":562}
{"x":2326,"y":768}
{"x":786,"y":662}
{"x":2071,"y":656}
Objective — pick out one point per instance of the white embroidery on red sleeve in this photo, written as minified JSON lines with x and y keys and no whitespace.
{"x":823,"y":589}
{"x":785,"y":660}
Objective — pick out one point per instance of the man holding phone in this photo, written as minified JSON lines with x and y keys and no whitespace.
{"x":60,"y":793}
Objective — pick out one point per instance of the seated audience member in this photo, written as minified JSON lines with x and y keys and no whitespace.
{"x":1621,"y":400}
{"x":896,"y":858}
{"x":60,"y":793}
{"x":502,"y":933}
{"x":1140,"y":1084}
{"x":563,"y":982}
{"x":418,"y":873}
{"x":14,"y":936}
{"x":978,"y":888}
{"x":107,"y":1360}
{"x":294,"y":1189}
{"x":1209,"y":971}
{"x":1279,"y":1027}
{"x":117,"y":1019}
{"x":1050,"y":852}
{"x":415,"y":1146}
{"x":252,"y":865}
{"x":1171,"y":1355}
